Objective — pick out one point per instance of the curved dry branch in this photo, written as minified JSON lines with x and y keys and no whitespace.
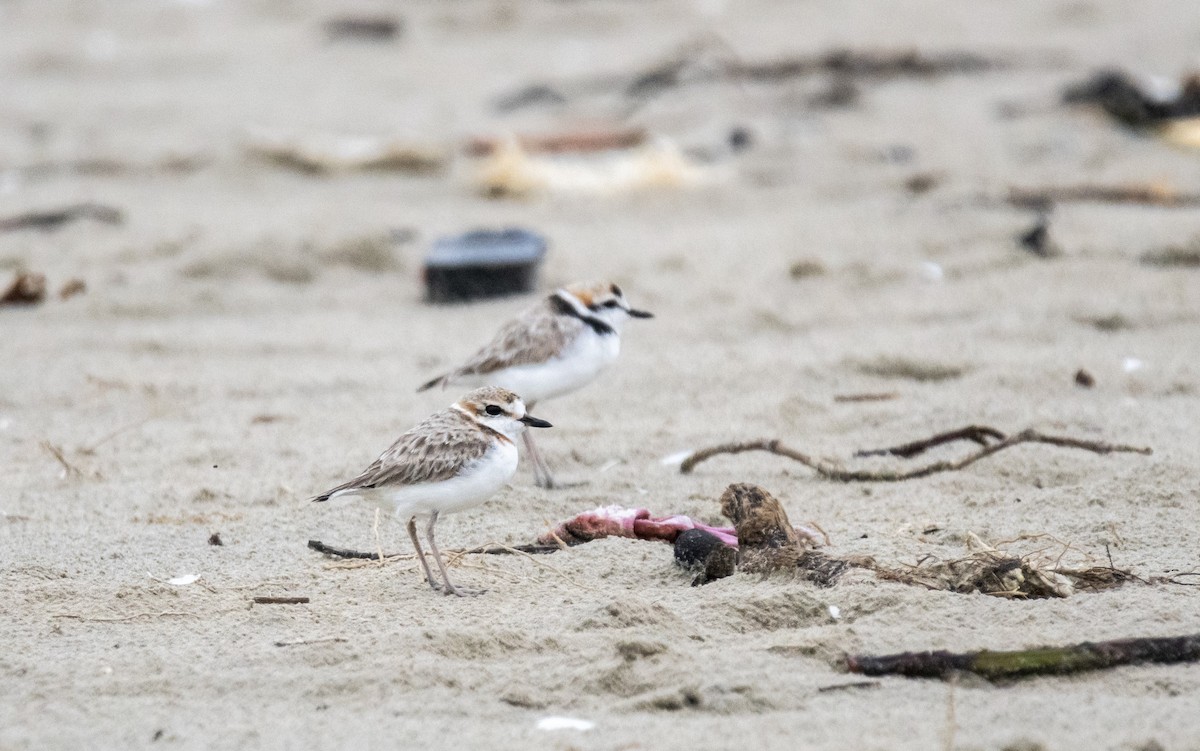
{"x":976,"y":433}
{"x":980,"y":434}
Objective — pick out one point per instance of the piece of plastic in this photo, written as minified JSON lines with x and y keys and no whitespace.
{"x":482,"y":264}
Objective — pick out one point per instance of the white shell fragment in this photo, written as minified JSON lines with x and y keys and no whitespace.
{"x":932,"y":271}
{"x":659,"y":164}
{"x":180,"y":581}
{"x":674,"y":460}
{"x":564,"y":723}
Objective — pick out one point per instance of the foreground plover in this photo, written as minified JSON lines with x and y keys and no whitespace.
{"x":554,"y":348}
{"x":454,"y":459}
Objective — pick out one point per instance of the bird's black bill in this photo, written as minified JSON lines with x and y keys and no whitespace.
{"x":640,"y":313}
{"x":533,"y":422}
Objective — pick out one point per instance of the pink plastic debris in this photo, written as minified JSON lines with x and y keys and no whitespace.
{"x":618,"y":521}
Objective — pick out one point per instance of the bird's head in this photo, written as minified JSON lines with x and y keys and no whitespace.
{"x":498,"y":409}
{"x":606,"y":301}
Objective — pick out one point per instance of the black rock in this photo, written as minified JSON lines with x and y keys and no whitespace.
{"x":381,"y":28}
{"x":740,"y":138}
{"x":693,"y":546}
{"x":1127,"y":100}
{"x":1036,"y":239}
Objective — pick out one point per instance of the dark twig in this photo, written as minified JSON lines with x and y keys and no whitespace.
{"x":27,"y":288}
{"x":1039,"y":661}
{"x":772,"y":445}
{"x":834,"y":472}
{"x":980,"y":434}
{"x":1137,"y":193}
{"x":1175,"y":579}
{"x":711,"y":59}
{"x":848,"y":686}
{"x":333,"y":552}
{"x":55,"y":218}
{"x":69,"y":469}
{"x":1172,"y":257}
{"x":91,"y":449}
{"x":280,"y":600}
{"x":868,"y":397}
{"x":299,"y":642}
{"x":379,"y":28}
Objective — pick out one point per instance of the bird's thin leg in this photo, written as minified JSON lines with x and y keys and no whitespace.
{"x":375,"y":531}
{"x":412,"y":532}
{"x":449,"y":589}
{"x":541,"y":473}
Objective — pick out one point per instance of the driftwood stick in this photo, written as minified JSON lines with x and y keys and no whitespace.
{"x":280,"y":600}
{"x":333,"y":552}
{"x":1135,"y":193}
{"x":69,"y":469}
{"x":834,"y":472}
{"x":55,"y":218}
{"x":1039,"y":661}
{"x":849,"y":686}
{"x":324,"y":640}
{"x":770,"y":445}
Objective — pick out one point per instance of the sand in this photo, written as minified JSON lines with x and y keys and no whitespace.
{"x":249,"y":337}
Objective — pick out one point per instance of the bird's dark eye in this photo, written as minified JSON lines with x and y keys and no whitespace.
{"x":612,"y":304}
{"x":492,"y":410}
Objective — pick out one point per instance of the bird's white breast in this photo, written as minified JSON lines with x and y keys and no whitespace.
{"x":477,"y":482}
{"x":580,"y":362}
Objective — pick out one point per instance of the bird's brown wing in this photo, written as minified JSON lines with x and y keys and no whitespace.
{"x":435,"y":450}
{"x":533,"y":337}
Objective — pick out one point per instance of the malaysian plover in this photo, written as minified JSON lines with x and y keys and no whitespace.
{"x":554,"y":348}
{"x":456,"y":458}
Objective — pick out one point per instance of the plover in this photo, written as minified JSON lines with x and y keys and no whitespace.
{"x":553,"y":348}
{"x":456,"y":458}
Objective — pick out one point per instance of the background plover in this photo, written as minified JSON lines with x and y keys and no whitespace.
{"x":456,"y":458}
{"x":555,"y":347}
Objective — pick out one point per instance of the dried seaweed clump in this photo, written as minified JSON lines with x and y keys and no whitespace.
{"x":991,"y":571}
{"x":767,"y":541}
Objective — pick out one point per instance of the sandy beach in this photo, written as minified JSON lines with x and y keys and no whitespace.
{"x":251,"y":334}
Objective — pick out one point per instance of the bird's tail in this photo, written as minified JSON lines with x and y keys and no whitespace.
{"x":345,"y":490}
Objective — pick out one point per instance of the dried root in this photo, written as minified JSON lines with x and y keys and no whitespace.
{"x":767,"y":541}
{"x":992,"y":571}
{"x":333,"y":552}
{"x":763,"y":540}
{"x":991,"y":441}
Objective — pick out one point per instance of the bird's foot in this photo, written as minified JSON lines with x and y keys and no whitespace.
{"x":450,"y":589}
